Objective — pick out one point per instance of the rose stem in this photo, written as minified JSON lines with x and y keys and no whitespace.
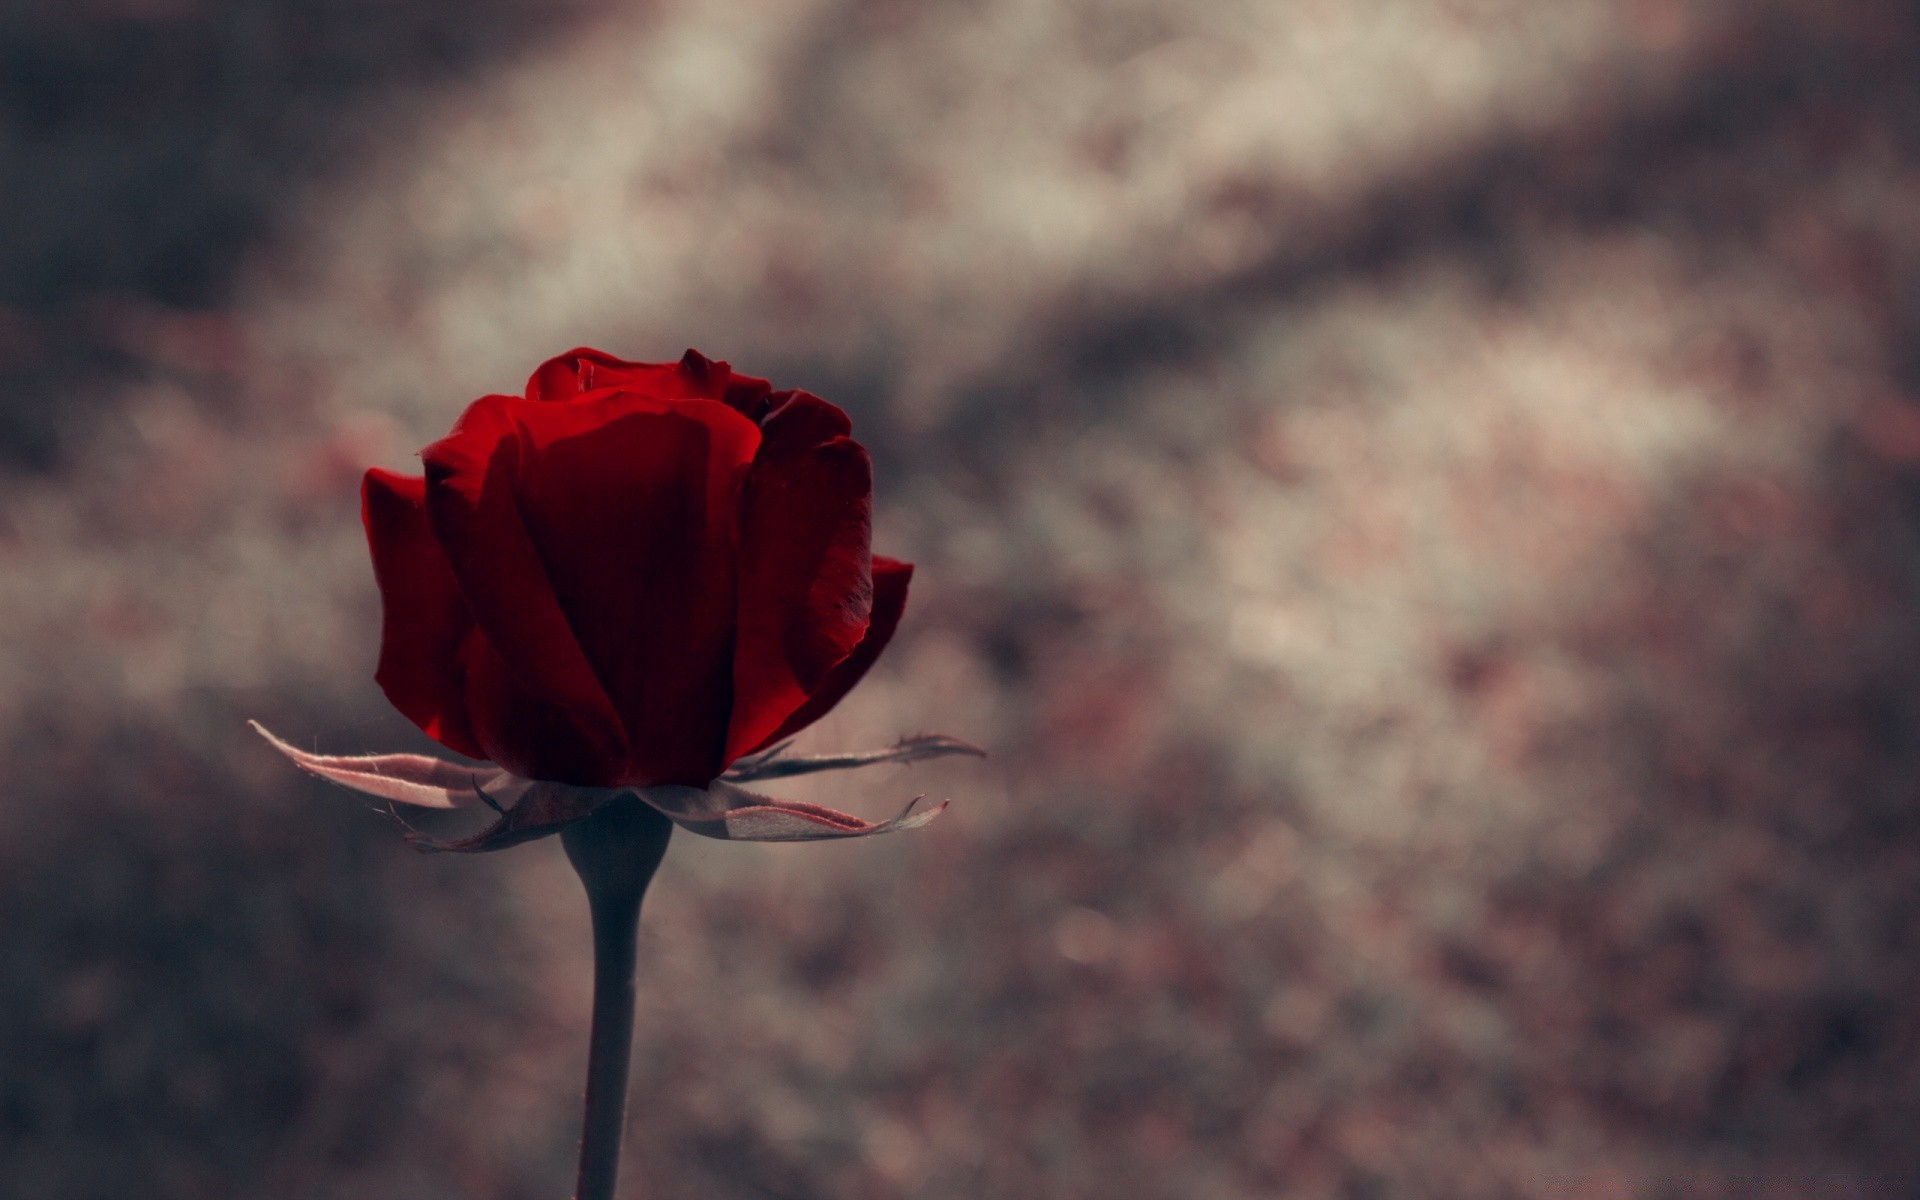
{"x":615,"y":852}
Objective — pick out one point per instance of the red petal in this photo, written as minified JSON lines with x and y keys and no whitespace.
{"x":531,"y":737}
{"x":533,"y":701}
{"x":890,"y":579}
{"x":748,"y":395}
{"x":694,"y":377}
{"x":806,"y":584}
{"x":568,"y":376}
{"x":423,"y":617}
{"x":630,"y":503}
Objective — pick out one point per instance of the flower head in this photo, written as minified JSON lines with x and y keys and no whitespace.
{"x":635,"y":576}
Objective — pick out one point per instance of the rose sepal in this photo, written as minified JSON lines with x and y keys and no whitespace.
{"x":534,"y":808}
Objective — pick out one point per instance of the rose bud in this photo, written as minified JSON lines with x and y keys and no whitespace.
{"x":639,"y":577}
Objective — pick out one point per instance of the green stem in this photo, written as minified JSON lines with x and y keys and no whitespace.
{"x":615,"y":852}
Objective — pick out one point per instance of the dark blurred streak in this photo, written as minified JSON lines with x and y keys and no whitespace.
{"x":127,"y":1017}
{"x":148,"y":145}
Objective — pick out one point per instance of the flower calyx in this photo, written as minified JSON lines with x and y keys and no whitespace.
{"x":526,"y":809}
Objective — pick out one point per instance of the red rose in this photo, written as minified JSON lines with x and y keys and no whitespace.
{"x":633,"y":576}
{"x":626,"y":589}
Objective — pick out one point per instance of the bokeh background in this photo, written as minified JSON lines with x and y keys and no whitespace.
{"x":1421,"y":497}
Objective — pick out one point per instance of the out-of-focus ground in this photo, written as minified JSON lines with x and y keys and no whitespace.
{"x":1421,"y":497}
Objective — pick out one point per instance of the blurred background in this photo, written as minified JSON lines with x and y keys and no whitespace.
{"x":1421,"y":497}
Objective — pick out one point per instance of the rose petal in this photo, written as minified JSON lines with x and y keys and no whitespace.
{"x":424,"y":619}
{"x":774,"y":765}
{"x":570,"y":375}
{"x":403,"y":778}
{"x":567,"y":376}
{"x":748,"y":395}
{"x":535,"y":704}
{"x":735,"y":814}
{"x":890,"y":580}
{"x":631,"y":503}
{"x":806,"y":576}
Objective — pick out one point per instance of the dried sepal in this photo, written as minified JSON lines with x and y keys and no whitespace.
{"x":527,"y":809}
{"x":774,"y":763}
{"x":734,"y":814}
{"x":401,"y":778}
{"x":543,"y":808}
